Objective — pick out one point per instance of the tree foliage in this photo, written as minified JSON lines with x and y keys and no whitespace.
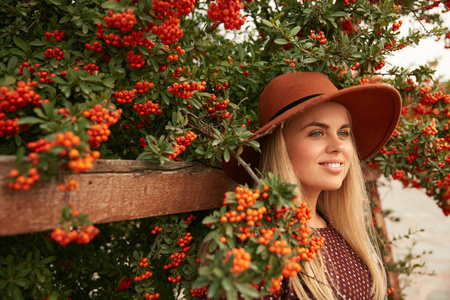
{"x":180,"y":80}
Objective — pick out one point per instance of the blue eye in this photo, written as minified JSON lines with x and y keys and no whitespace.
{"x":316,"y":134}
{"x":344,"y":133}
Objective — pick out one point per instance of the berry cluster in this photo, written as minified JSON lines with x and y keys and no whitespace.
{"x":186,"y":90}
{"x":98,"y":133}
{"x":227,"y":12}
{"x":350,"y":25}
{"x":91,"y":68}
{"x":347,"y":2}
{"x":45,"y":77}
{"x":100,"y":114}
{"x":84,"y":236}
{"x":178,"y":72}
{"x":124,"y":97}
{"x":276,"y":284}
{"x":182,"y":143}
{"x":135,"y":38}
{"x":56,"y":35}
{"x":146,"y":274}
{"x":319,"y":37}
{"x":70,"y":186}
{"x":178,"y":256}
{"x":241,"y":260}
{"x":174,"y":279}
{"x":214,"y":106}
{"x":290,"y":63}
{"x":175,"y":260}
{"x":398,"y":174}
{"x":364,"y":81}
{"x":124,"y":21}
{"x":396,"y":26}
{"x":96,"y":47}
{"x":291,"y":269}
{"x":28,"y":66}
{"x":151,"y":296}
{"x":355,"y":66}
{"x":169,"y":13}
{"x":103,"y":118}
{"x":125,"y":284}
{"x":56,"y":53}
{"x":379,"y":66}
{"x":169,"y":31}
{"x":148,"y":108}
{"x":23,"y":182}
{"x":156,"y":229}
{"x":11,"y":100}
{"x":199,"y":292}
{"x":142,"y":87}
{"x":8,"y":127}
{"x":431,"y":128}
{"x":135,"y":61}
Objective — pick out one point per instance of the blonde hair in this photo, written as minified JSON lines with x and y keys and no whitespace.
{"x":347,"y":208}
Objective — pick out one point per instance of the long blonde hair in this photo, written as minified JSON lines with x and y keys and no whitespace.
{"x":347,"y":208}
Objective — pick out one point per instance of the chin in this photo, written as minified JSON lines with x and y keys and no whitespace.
{"x":332,"y":187}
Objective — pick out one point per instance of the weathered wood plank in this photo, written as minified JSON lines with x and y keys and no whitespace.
{"x":113,"y":190}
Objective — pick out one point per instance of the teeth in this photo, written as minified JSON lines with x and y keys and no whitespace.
{"x":333,"y":165}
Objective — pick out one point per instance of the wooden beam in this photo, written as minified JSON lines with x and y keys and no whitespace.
{"x":113,"y":190}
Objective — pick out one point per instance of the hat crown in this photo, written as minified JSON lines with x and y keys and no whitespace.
{"x":288,"y":88}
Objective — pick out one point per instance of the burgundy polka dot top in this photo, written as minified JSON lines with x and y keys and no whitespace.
{"x":351,"y":277}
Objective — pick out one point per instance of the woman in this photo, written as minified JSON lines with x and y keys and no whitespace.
{"x":315,"y":136}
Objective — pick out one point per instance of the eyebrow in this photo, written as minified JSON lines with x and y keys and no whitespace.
{"x":323,"y":125}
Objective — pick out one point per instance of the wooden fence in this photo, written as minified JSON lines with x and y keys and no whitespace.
{"x":113,"y":190}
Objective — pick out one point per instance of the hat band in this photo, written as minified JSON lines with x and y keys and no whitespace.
{"x":293,"y":104}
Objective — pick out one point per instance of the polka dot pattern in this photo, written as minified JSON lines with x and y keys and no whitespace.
{"x":349,"y":277}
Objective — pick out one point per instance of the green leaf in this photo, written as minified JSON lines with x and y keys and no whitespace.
{"x":12,"y":63}
{"x":3,"y":284}
{"x":30,"y":120}
{"x":55,"y":2}
{"x":309,"y":60}
{"x":20,"y":43}
{"x":294,"y":31}
{"x":267,"y":23}
{"x":23,"y":282}
{"x":281,"y":41}
{"x":210,"y":219}
{"x":112,"y":5}
{"x":37,"y":43}
{"x":47,"y":260}
{"x":9,"y":80}
{"x":339,"y":14}
{"x":226,"y":155}
{"x":247,"y":290}
{"x":65,"y":19}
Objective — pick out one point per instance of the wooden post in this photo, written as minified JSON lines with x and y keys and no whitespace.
{"x":371,"y":176}
{"x":113,"y":190}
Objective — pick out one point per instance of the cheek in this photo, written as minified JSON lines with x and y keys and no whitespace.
{"x":300,"y":154}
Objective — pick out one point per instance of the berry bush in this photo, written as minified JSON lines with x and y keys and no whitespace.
{"x":179,"y":80}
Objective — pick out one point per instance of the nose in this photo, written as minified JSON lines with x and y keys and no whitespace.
{"x":335,"y":144}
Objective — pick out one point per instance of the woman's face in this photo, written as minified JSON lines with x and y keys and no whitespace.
{"x":320,"y":147}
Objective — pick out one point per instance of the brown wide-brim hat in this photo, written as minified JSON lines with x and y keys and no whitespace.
{"x":374,"y":109}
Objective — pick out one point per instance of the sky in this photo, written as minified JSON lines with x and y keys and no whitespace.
{"x":428,"y":50}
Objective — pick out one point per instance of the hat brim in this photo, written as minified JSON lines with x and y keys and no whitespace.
{"x":374,"y":110}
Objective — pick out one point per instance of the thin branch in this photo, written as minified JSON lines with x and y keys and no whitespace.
{"x":246,"y":166}
{"x":234,"y":111}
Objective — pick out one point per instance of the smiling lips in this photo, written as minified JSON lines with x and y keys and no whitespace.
{"x":333,"y":167}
